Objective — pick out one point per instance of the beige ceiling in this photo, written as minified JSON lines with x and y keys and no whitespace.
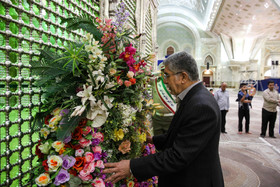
{"x":248,"y":18}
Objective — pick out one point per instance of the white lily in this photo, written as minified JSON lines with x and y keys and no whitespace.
{"x":78,"y":110}
{"x":86,"y":94}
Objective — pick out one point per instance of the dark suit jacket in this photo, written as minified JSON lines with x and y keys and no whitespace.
{"x":189,"y":155}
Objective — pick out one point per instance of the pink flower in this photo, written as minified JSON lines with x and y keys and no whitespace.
{"x":120,"y":82}
{"x":89,"y":157}
{"x":84,"y":142}
{"x":89,"y":168}
{"x":85,"y":177}
{"x":127,"y":83}
{"x":128,"y":53}
{"x":124,"y":147}
{"x":97,"y":149}
{"x":86,"y":130}
{"x":99,"y":136}
{"x":98,"y":182}
{"x":141,"y":71}
{"x":79,"y":152}
{"x":99,"y":164}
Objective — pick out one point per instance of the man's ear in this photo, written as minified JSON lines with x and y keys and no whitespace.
{"x":185,"y":77}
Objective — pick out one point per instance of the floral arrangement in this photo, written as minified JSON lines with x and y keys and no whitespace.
{"x":95,"y":105}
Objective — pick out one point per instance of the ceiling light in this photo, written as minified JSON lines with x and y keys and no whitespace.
{"x":254,"y":17}
{"x":266,"y":5}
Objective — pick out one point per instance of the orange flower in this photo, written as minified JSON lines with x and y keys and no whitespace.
{"x":79,"y":165}
{"x":133,"y":81}
{"x":125,"y":147}
{"x":61,"y":151}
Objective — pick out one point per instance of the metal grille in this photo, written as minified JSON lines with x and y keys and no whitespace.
{"x":25,"y":27}
{"x":131,"y":7}
{"x":148,"y":31}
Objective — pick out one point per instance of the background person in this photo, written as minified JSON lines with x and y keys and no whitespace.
{"x":269,"y":111}
{"x":189,"y":151}
{"x":244,"y":99}
{"x":222,"y":97}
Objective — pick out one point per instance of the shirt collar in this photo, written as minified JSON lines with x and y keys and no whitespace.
{"x":184,"y":92}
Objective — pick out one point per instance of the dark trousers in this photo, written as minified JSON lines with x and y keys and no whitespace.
{"x":268,"y":117}
{"x":223,"y":113}
{"x":241,"y":114}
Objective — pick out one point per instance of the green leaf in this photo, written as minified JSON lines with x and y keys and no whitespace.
{"x":83,"y":22}
{"x":67,"y":127}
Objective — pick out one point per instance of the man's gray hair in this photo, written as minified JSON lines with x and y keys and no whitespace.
{"x":182,"y":62}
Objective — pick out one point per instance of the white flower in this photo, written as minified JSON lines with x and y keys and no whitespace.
{"x":45,"y":148}
{"x":88,"y":48}
{"x":44,"y":132}
{"x":78,"y":110}
{"x":43,"y":179}
{"x":108,"y":101}
{"x":103,"y":59}
{"x":86,"y":94}
{"x":54,"y":162}
{"x":112,"y":71}
{"x":57,"y":145}
{"x":130,"y":74}
{"x":100,"y":119}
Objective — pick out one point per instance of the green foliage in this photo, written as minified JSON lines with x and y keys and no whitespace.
{"x":67,"y":126}
{"x":83,"y":22}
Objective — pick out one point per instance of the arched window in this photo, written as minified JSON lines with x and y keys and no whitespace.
{"x":170,"y":51}
{"x":208,"y":60}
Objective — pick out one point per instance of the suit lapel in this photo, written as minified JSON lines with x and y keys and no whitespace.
{"x":175,"y":121}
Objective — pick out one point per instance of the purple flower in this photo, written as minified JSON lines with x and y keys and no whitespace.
{"x":67,"y":139}
{"x":104,"y":154}
{"x":97,"y":156}
{"x":64,"y":112}
{"x":62,"y":177}
{"x":144,"y":184}
{"x":108,"y":184}
{"x":68,"y":162}
{"x":95,"y":142}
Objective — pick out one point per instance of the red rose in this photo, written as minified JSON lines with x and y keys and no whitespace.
{"x":83,"y":122}
{"x":47,"y":118}
{"x":77,"y":134}
{"x":38,"y":151}
{"x":73,"y":172}
{"x":132,"y":80}
{"x":79,"y":165}
{"x":70,"y":145}
{"x":45,"y":164}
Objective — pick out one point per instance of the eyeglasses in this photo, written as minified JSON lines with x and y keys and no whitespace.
{"x":165,"y":75}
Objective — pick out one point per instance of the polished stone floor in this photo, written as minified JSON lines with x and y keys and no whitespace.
{"x":247,"y":159}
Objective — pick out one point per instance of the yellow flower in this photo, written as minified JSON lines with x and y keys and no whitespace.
{"x":56,"y":111}
{"x":142,"y":137}
{"x":54,"y":120}
{"x":57,"y":145}
{"x":43,"y":179}
{"x":44,"y":132}
{"x":118,"y":134}
{"x":130,"y":184}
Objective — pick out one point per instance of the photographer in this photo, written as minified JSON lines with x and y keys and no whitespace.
{"x":244,"y":100}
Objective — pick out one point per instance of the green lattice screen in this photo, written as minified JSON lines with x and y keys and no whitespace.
{"x":148,"y":31}
{"x":25,"y":27}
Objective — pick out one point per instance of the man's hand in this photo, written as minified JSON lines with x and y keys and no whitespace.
{"x":119,"y":170}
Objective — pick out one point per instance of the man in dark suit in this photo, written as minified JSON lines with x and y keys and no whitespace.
{"x":189,"y":153}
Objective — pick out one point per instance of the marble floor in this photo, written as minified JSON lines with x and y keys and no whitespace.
{"x":247,"y":159}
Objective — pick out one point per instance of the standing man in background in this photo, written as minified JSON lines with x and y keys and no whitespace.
{"x":269,"y":111}
{"x":244,"y":100}
{"x":222,"y":97}
{"x":163,"y":115}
